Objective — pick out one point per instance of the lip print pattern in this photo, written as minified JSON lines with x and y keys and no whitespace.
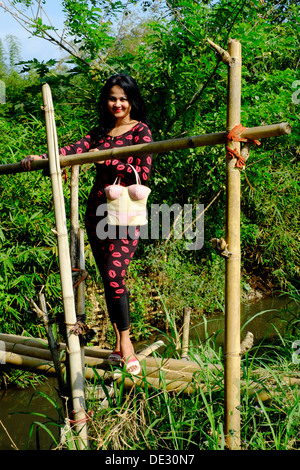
{"x":118,"y":264}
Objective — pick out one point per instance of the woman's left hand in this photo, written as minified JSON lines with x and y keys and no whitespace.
{"x":96,"y":150}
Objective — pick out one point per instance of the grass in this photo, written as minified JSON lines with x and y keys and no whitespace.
{"x":153,"y":418}
{"x":159,"y":420}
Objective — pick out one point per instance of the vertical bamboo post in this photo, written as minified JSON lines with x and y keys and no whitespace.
{"x":73,"y":345}
{"x":74,"y":218}
{"x":81,"y":266}
{"x":81,"y":287}
{"x":233,"y":264}
{"x":186,"y":333}
{"x":52,"y":345}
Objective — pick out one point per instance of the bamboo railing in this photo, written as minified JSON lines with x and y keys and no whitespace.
{"x":218,"y":138}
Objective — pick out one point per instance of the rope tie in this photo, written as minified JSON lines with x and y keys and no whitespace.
{"x":83,"y":275}
{"x":88,"y":417}
{"x":235,"y":136}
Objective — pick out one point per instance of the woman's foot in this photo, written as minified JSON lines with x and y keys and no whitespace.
{"x":115,"y":358}
{"x":132,"y":366}
{"x":127,"y":350}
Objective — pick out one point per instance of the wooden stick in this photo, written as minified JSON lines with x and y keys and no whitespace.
{"x":73,"y":345}
{"x":224,"y":55}
{"x":81,"y":266}
{"x":233,"y":263}
{"x":150,"y":349}
{"x":186,"y":333}
{"x":74,"y":218}
{"x":218,"y":138}
{"x":52,"y":345}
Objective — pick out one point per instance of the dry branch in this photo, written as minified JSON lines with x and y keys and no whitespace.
{"x":224,"y":56}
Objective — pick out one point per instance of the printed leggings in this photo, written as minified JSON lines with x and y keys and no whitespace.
{"x":112,"y":256}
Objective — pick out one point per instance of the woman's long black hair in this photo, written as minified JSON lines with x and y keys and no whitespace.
{"x":131,"y":90}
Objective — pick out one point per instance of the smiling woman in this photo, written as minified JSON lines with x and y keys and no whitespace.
{"x":122,"y":115}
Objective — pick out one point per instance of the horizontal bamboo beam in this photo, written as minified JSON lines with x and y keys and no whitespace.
{"x":218,"y":138}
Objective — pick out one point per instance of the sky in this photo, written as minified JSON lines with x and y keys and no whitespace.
{"x":32,"y":47}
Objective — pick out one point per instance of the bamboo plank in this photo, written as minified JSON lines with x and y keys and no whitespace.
{"x":28,"y":340}
{"x":97,"y":357}
{"x":29,"y":351}
{"x":217,"y":138}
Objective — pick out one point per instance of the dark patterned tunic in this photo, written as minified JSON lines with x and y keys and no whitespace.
{"x":113,"y":255}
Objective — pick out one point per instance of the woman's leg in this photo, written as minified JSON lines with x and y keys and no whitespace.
{"x":113,"y":258}
{"x":117,"y":347}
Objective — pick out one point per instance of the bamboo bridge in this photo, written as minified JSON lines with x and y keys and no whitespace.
{"x":179,"y":372}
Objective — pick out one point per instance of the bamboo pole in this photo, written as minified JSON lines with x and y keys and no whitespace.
{"x":171,"y":382}
{"x":151,"y":348}
{"x":186,"y":333}
{"x":28,"y":340}
{"x":54,"y":351}
{"x":81,"y":266}
{"x":101,"y":355}
{"x":30,"y":351}
{"x":233,"y":263}
{"x":218,"y":138}
{"x":81,"y":286}
{"x":73,"y":345}
{"x":74,"y":218}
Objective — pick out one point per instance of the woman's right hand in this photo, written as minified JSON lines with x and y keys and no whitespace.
{"x":26,"y":162}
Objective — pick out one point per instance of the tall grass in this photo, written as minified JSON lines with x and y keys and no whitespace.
{"x":157,"y":419}
{"x":153,"y":418}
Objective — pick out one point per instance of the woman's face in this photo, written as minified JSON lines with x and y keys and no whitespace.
{"x":118,"y":104}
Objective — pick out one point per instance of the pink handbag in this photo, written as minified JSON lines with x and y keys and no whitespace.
{"x":127,"y":205}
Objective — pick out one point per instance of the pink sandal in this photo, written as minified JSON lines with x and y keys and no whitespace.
{"x":132,"y":363}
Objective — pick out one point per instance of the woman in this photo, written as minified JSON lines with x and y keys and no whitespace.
{"x":122,"y":122}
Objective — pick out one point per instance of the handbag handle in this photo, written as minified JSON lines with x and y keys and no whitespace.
{"x":137,"y":176}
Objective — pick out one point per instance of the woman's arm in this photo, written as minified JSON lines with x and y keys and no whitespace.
{"x":81,"y":146}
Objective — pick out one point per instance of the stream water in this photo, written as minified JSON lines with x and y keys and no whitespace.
{"x":261,"y":318}
{"x":264,"y":318}
{"x":16,"y":408}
